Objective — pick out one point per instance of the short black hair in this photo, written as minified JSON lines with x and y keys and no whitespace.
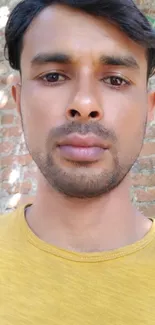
{"x":124,"y":13}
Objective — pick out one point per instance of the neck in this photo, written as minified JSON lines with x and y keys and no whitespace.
{"x":86,"y":225}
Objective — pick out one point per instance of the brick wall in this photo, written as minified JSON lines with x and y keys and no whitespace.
{"x":18,"y":172}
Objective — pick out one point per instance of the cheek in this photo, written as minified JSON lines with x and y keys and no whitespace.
{"x":126,"y":115}
{"x":42,"y":109}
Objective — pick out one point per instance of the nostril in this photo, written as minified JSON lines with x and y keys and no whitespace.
{"x":94,"y":114}
{"x":74,"y":113}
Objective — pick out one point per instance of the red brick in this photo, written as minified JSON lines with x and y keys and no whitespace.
{"x":24,"y":160}
{"x":7,"y":161}
{"x":148,"y":210}
{"x":13,"y":131}
{"x":145,"y":196}
{"x":8,"y":119}
{"x":148,"y":149}
{"x":6,"y":147}
{"x":19,"y":160}
{"x":26,"y":187}
{"x":30,"y":174}
{"x":143,"y":180}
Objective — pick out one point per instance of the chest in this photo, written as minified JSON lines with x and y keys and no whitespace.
{"x":66,"y":294}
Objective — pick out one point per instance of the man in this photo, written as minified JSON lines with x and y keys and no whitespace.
{"x":81,"y":253}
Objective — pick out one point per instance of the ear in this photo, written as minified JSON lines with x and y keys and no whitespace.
{"x":16,"y":94}
{"x":151,"y":106}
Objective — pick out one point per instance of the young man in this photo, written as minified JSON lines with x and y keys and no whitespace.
{"x":81,"y":254}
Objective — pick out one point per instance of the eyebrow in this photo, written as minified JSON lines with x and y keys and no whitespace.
{"x":61,"y":58}
{"x":44,"y":58}
{"x":124,"y":61}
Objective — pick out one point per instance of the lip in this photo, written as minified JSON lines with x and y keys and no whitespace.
{"x":87,"y":141}
{"x":82,"y":149}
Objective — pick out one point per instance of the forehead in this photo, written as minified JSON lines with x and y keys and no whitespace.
{"x":62,"y":29}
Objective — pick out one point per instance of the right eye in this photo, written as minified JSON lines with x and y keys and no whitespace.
{"x":53,"y":78}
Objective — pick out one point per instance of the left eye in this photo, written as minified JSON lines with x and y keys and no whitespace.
{"x":116,"y":81}
{"x":53,"y":77}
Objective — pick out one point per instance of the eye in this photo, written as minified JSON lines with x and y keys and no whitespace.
{"x":116,"y":81}
{"x":53,"y":78}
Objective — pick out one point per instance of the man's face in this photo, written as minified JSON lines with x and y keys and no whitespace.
{"x":83,"y":101}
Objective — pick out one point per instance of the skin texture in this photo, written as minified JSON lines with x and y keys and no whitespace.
{"x":79,"y":205}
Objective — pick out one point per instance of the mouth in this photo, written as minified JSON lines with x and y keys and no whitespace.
{"x":82,"y":149}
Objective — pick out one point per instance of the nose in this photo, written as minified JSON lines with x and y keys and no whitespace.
{"x":84,"y":106}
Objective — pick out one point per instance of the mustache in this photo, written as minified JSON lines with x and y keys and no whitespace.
{"x":83,"y":129}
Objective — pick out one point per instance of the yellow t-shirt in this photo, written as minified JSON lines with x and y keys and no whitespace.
{"x":43,"y":285}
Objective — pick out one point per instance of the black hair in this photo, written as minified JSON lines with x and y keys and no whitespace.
{"x":124,"y":13}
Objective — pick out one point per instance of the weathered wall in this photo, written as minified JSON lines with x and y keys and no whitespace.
{"x":18,"y":172}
